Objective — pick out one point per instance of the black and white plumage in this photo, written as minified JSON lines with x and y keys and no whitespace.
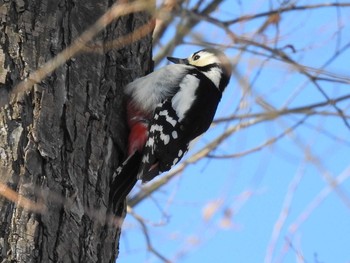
{"x":178,"y":103}
{"x":182,"y":98}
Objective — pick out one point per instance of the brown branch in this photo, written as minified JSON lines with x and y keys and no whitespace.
{"x":165,"y":18}
{"x":40,"y":207}
{"x":121,"y":41}
{"x":284,"y":10}
{"x":21,"y":201}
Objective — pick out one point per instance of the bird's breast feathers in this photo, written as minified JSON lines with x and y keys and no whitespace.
{"x":155,"y":87}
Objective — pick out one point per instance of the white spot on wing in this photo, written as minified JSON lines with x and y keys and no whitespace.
{"x":183,"y":100}
{"x":165,"y":138}
{"x":145,"y":158}
{"x":175,"y":161}
{"x":171,"y":120}
{"x":150,"y":141}
{"x":156,"y":127}
{"x":174,"y":134}
{"x":167,"y":117}
{"x":180,"y":153}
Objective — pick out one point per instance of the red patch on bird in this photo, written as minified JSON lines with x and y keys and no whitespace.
{"x":138,"y":125}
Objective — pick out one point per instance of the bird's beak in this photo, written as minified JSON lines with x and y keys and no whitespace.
{"x":178,"y":60}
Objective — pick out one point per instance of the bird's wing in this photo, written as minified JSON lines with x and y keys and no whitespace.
{"x":165,"y":145}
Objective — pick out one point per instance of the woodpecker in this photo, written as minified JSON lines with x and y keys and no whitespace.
{"x":169,"y":108}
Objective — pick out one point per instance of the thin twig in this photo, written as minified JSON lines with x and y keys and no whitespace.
{"x":310,"y":208}
{"x":284,"y":10}
{"x":263,"y":145}
{"x":145,"y":231}
{"x":283,"y":214}
{"x":309,"y":109}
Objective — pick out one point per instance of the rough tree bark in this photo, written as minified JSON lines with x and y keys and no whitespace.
{"x":62,"y":141}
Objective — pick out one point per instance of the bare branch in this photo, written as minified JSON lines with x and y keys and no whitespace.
{"x":263,"y":145}
{"x":309,"y":109}
{"x":284,"y":10}
{"x":145,"y":231}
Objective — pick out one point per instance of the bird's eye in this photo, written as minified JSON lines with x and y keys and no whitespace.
{"x":196,"y":57}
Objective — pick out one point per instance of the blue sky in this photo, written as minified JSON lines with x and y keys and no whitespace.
{"x":225,"y":210}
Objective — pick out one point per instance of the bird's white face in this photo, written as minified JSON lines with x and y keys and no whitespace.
{"x":219,"y":67}
{"x":203,"y":58}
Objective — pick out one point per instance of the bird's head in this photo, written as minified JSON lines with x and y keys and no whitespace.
{"x":209,"y":62}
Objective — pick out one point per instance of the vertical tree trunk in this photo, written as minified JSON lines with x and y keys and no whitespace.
{"x":62,"y":141}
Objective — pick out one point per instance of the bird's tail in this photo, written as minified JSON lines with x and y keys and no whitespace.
{"x":125,"y":179}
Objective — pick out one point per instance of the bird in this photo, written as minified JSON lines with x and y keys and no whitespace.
{"x":166,"y":110}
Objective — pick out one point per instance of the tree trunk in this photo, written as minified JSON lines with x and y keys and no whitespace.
{"x":61,"y":143}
